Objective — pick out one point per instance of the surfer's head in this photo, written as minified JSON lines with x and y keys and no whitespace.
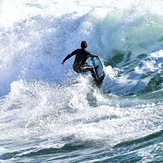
{"x":84,"y":44}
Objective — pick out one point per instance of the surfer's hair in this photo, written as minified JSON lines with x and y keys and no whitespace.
{"x":84,"y":44}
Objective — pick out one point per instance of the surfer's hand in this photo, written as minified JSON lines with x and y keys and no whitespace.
{"x":63,"y":62}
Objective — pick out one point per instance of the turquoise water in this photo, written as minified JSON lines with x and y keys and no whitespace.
{"x":48,"y":113}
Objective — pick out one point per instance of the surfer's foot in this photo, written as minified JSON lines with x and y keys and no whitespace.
{"x":96,"y":67}
{"x":97,"y":82}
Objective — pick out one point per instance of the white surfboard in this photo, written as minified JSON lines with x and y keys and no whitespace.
{"x":99,"y":68}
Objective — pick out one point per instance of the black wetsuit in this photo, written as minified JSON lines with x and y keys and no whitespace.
{"x":80,"y":65}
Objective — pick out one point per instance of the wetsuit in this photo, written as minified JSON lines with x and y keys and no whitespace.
{"x":80,"y":65}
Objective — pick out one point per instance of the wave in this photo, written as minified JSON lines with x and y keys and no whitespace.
{"x":133,"y":150}
{"x":33,"y":45}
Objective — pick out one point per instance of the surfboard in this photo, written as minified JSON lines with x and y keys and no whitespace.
{"x":99,"y":68}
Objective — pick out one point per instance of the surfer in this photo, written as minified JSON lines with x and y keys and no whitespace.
{"x":80,"y":65}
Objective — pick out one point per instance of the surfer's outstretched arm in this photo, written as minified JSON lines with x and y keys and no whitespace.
{"x":68,"y":56}
{"x":63,"y":62}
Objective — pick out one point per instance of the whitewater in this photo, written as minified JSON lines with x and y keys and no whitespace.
{"x":49,"y":113}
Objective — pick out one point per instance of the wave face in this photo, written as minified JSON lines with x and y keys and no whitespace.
{"x":48,"y":113}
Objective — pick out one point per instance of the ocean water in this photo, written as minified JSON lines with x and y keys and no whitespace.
{"x":49,"y":113}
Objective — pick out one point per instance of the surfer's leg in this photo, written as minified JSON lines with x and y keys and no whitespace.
{"x":93,"y":73}
{"x":87,"y":68}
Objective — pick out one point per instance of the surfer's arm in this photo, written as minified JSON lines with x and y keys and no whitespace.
{"x":63,"y":62}
{"x":68,"y":56}
{"x":93,"y":55}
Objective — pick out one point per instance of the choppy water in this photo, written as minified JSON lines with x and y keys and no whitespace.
{"x":48,"y":113}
